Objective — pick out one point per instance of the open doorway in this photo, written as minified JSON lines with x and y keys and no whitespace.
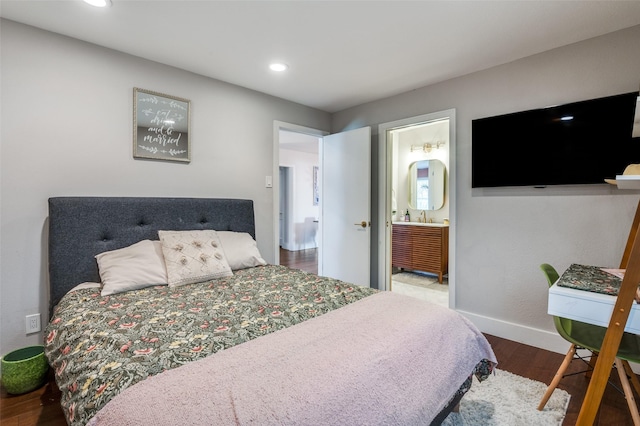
{"x":419,"y":207}
{"x":342,"y":229}
{"x":409,"y":147}
{"x":298,"y":214}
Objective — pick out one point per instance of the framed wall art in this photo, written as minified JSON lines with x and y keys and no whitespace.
{"x":161,"y":126}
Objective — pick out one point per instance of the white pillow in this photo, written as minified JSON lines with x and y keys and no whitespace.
{"x":138,"y":266}
{"x":193,"y":256}
{"x":241,"y":250}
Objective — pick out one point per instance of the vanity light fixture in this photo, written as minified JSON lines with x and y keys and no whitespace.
{"x":427,"y":147}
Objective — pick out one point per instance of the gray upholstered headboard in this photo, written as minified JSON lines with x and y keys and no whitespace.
{"x":81,"y":227}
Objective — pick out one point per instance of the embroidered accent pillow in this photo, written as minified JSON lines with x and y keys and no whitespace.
{"x":193,"y":256}
{"x":137,"y":266}
{"x":240,"y":249}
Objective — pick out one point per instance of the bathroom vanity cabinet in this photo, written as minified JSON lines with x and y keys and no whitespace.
{"x":421,"y":247}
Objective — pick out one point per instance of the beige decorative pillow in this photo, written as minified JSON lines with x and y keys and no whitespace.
{"x":193,"y":256}
{"x":130,"y":268}
{"x":240,"y":249}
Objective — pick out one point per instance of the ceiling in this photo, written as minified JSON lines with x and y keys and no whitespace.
{"x":340,"y":53}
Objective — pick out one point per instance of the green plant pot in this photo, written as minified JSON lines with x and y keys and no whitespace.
{"x":24,"y":370}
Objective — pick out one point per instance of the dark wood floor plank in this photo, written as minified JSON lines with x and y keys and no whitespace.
{"x":306,"y":260}
{"x":40,"y":407}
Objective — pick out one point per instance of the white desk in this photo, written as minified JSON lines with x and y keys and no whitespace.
{"x":589,"y":307}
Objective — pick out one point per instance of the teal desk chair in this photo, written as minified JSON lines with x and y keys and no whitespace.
{"x":587,"y":336}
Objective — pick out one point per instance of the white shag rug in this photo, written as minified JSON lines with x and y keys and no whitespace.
{"x":506,"y":399}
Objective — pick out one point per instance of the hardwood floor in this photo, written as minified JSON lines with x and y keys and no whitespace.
{"x":42,"y":406}
{"x":307,"y":260}
{"x":39,"y":407}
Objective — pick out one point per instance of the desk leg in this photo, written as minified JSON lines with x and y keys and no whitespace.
{"x":556,"y":379}
{"x":628,"y":393}
{"x":592,"y":364}
{"x":634,"y":378}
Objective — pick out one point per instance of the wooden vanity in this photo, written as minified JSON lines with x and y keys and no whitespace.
{"x":421,"y":247}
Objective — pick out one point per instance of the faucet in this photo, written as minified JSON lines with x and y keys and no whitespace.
{"x":423,"y":217}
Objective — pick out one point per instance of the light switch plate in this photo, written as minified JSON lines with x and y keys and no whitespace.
{"x":268,"y":182}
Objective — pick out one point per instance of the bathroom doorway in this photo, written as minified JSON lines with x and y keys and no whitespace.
{"x":405,"y":147}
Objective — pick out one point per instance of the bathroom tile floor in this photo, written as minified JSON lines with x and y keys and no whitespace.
{"x":421,"y":286}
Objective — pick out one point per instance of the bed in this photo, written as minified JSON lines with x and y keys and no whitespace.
{"x":250,"y":343}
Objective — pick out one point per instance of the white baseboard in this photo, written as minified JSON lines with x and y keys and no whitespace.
{"x":297,"y":247}
{"x":549,"y":340}
{"x":285,"y":245}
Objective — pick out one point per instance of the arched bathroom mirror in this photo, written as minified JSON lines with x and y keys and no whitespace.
{"x":426,"y":185}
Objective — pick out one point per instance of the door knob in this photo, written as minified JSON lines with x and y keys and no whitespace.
{"x":363,"y":223}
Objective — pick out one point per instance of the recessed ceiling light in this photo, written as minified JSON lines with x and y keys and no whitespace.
{"x":98,"y":3}
{"x":278,"y":66}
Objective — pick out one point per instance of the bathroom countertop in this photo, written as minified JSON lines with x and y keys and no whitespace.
{"x":434,"y":224}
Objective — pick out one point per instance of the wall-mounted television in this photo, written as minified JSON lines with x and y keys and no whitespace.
{"x":576,"y":143}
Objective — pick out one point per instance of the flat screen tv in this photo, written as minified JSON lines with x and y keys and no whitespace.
{"x":577,"y":143}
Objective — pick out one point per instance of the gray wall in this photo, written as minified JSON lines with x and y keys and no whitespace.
{"x":66,"y":129}
{"x":502,"y":235}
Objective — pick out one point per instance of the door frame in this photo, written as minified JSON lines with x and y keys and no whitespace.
{"x":286,"y":208}
{"x":277,"y":127}
{"x":384,"y":195}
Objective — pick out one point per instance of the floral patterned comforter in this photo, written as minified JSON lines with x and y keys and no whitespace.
{"x":98,"y":346}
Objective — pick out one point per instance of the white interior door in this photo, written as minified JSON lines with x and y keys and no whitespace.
{"x":345,"y":206}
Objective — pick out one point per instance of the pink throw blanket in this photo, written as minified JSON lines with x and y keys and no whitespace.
{"x":386,"y":359}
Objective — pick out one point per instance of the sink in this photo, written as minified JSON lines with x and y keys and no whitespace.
{"x":434,"y":224}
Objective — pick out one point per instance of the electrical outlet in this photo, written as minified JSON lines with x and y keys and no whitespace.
{"x":32,"y":323}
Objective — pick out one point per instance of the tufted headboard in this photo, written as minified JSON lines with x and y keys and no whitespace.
{"x":81,"y":227}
